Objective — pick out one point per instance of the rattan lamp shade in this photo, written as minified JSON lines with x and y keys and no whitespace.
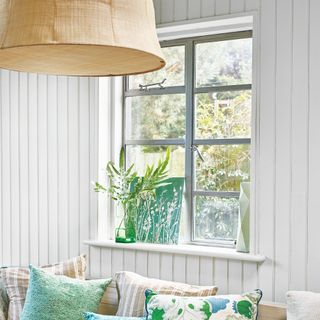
{"x":79,"y":37}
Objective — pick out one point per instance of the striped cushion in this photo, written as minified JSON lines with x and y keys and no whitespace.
{"x":132,"y":287}
{"x":16,"y":281}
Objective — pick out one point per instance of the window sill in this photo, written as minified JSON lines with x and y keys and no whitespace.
{"x":186,"y":249}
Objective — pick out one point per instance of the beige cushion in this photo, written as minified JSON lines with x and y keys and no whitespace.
{"x":302,"y":305}
{"x":132,"y":287}
{"x":109,"y":302}
{"x":16,"y":281}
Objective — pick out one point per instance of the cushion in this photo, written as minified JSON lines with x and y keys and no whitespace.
{"x":132,"y":287}
{"x":52,"y":297}
{"x":302,"y":305}
{"x":93,"y":316}
{"x":225,"y":307}
{"x":16,"y":281}
{"x":4,"y":301}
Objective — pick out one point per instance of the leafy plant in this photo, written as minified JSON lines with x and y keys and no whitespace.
{"x":122,"y":189}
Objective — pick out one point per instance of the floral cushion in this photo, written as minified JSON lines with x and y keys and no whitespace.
{"x":226,"y":307}
{"x":93,"y":316}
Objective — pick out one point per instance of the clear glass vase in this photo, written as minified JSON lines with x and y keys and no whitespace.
{"x":126,"y":232}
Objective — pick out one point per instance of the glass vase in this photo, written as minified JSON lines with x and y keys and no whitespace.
{"x":126,"y":232}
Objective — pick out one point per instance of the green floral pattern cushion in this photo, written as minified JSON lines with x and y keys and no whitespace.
{"x":228,"y":307}
{"x":53,"y":297}
{"x":93,"y":316}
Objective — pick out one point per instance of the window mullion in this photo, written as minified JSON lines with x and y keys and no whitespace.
{"x":189,"y":80}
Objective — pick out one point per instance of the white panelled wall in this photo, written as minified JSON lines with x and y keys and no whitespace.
{"x":48,"y":143}
{"x":49,"y":155}
{"x":287,"y":157}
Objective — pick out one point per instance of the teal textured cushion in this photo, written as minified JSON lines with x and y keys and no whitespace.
{"x":52,"y":297}
{"x":93,"y":316}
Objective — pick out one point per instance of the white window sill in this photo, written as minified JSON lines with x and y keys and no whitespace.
{"x":186,"y":249}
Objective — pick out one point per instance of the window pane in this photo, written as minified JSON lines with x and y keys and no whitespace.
{"x":143,"y":155}
{"x":223,"y":115}
{"x":155,"y":117}
{"x":224,"y":167}
{"x":173,"y":72}
{"x":216,"y":218}
{"x":224,"y":62}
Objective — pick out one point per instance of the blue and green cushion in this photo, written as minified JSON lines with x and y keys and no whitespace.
{"x":94,"y":316}
{"x":52,"y":297}
{"x":224,"y":307}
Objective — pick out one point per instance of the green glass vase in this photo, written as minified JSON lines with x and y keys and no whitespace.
{"x":126,"y":232}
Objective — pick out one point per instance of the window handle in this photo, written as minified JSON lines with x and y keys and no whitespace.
{"x":195,"y":149}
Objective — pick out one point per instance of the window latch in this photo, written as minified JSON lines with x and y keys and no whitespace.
{"x":195,"y":149}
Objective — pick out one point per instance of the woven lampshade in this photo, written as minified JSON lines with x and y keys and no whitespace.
{"x":79,"y":37}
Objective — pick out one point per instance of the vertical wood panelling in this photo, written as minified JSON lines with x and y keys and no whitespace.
{"x":313,"y":281}
{"x":45,"y":167}
{"x":237,"y":6}
{"x":166,"y":266}
{"x":105,"y":263}
{"x":85,"y":188}
{"x":300,"y":147}
{"x":222,"y":7}
{"x":283,"y":148}
{"x":167,"y":11}
{"x":53,"y":187}
{"x":208,"y":8}
{"x":267,"y":145}
{"x":180,"y":10}
{"x":179,"y":268}
{"x":252,"y":5}
{"x":221,"y":273}
{"x":24,"y":169}
{"x":63,"y":167}
{"x":142,"y":263}
{"x":235,"y":276}
{"x":154,"y":265}
{"x":193,"y":270}
{"x":194,"y":9}
{"x":129,"y":263}
{"x":73,"y":166}
{"x":5,"y":182}
{"x":14,"y":167}
{"x":33,"y":170}
{"x":206,"y":271}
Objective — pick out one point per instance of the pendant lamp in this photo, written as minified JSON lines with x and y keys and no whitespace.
{"x":79,"y":37}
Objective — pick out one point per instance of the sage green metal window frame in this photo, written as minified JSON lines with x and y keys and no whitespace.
{"x":189,"y":142}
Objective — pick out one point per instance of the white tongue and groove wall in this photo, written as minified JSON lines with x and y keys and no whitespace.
{"x":49,"y":156}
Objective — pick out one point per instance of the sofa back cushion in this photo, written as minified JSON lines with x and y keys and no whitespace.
{"x":132,"y":287}
{"x":16,"y":281}
{"x":52,"y":297}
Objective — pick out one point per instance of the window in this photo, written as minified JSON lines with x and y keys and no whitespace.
{"x":203,"y":112}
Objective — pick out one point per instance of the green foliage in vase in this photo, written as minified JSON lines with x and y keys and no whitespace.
{"x":121,"y":179}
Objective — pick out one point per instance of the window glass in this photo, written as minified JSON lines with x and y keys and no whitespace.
{"x":143,"y":155}
{"x":223,"y":167}
{"x":223,"y":115}
{"x":173,"y":72}
{"x":223,"y":63}
{"x":156,"y":117}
